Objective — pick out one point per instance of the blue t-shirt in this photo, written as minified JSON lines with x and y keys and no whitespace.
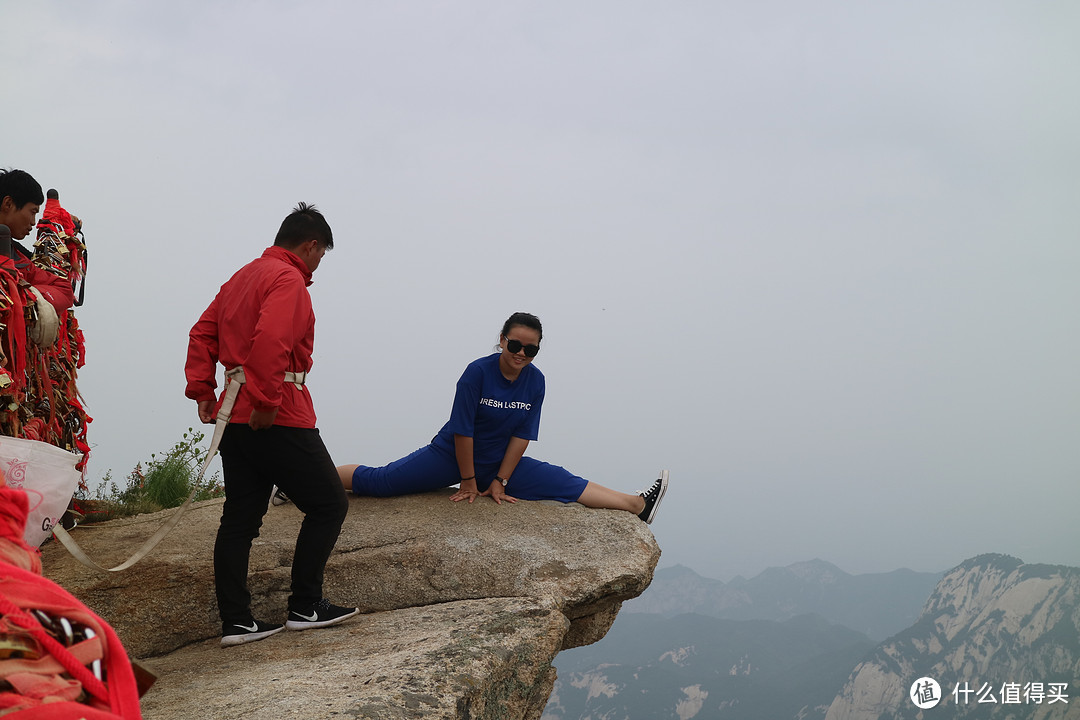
{"x":490,"y":409}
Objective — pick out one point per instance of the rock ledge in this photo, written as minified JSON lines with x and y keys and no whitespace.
{"x":465,"y":606}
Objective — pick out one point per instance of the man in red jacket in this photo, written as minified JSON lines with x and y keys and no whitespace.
{"x":261,"y":327}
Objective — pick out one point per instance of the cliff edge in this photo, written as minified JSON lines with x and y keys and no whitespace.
{"x":465,"y":606}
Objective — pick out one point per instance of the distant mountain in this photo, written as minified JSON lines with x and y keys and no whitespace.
{"x":877,"y":604}
{"x":992,"y":623}
{"x":689,"y":665}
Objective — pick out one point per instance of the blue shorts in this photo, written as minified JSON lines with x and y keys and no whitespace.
{"x":429,"y":469}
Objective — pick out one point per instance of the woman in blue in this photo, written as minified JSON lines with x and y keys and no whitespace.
{"x":496,"y":414}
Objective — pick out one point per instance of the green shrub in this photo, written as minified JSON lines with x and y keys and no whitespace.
{"x":165,"y":483}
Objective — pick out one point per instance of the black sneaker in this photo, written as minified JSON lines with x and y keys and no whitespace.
{"x":653,"y":496}
{"x":322,"y":614}
{"x":238,"y":634}
{"x":279,"y":497}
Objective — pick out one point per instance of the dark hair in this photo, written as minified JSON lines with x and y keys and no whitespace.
{"x":302,"y":224}
{"x":52,"y":194}
{"x":525,"y":320}
{"x":21,"y":187}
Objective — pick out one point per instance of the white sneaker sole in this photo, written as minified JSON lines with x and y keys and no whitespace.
{"x":312,"y":624}
{"x":277,"y":501}
{"x":232,"y":640}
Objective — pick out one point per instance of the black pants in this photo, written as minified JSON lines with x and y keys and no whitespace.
{"x":253,"y":461}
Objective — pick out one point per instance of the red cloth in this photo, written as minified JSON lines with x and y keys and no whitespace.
{"x":55,"y":289}
{"x":262,"y":320}
{"x":16,"y":322}
{"x":14,"y":508}
{"x":63,"y":711}
{"x":53,"y":212}
{"x":21,"y":589}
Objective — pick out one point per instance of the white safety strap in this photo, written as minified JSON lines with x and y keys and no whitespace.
{"x":233,"y":380}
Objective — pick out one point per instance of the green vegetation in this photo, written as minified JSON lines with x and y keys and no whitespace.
{"x":165,"y":483}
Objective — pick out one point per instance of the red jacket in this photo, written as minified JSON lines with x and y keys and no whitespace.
{"x":261,"y":319}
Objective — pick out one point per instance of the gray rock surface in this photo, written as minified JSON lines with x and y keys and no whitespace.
{"x":466,"y":659}
{"x":464,"y":607}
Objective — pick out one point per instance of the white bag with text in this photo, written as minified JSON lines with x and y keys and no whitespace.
{"x":47,"y":474}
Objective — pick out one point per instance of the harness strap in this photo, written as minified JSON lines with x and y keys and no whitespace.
{"x":233,"y":380}
{"x":297,"y":378}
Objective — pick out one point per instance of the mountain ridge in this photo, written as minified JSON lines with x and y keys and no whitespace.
{"x":991,"y":618}
{"x":877,"y":604}
{"x":992,"y":622}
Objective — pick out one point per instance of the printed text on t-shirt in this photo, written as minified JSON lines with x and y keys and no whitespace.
{"x":505,"y":405}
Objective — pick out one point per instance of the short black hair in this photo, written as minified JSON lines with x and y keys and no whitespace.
{"x":21,"y":187}
{"x":304,"y":223}
{"x":523,"y":319}
{"x":52,"y":194}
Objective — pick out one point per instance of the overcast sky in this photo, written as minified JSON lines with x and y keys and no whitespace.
{"x":818,"y":259}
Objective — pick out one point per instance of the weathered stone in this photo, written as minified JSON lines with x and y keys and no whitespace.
{"x":429,"y":574}
{"x":473,"y":658}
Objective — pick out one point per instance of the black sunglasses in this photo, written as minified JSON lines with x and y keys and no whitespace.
{"x":515,"y":346}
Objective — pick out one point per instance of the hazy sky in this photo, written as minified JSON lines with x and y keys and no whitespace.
{"x":819,"y":259}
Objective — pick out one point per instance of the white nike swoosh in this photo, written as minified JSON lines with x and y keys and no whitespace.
{"x":312,"y":618}
{"x":254,"y":627}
